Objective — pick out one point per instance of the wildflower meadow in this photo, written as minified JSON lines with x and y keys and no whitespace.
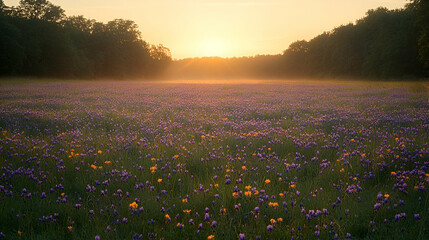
{"x":169,"y":160}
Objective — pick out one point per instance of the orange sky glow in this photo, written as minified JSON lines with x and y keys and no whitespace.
{"x":226,"y":28}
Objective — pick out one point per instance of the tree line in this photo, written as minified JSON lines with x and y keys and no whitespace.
{"x":38,"y":39}
{"x":384,"y":44}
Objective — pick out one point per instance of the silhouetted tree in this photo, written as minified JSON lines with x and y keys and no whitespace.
{"x":160,"y":53}
{"x":37,"y":39}
{"x":12,"y":53}
{"x":4,"y":10}
{"x":40,"y":9}
{"x":296,"y":57}
{"x":118,"y":49}
{"x":421,"y":7}
{"x":79,"y":23}
{"x":381,"y":45}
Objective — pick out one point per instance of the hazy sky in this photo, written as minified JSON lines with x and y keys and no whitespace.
{"x":226,"y":28}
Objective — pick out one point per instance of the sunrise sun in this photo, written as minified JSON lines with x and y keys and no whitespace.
{"x":213,"y":47}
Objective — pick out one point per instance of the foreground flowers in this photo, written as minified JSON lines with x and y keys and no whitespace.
{"x":155,"y":161}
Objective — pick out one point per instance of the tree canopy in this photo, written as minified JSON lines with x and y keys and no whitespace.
{"x":40,"y":9}
{"x":421,"y":8}
{"x":38,"y":39}
{"x":381,"y":45}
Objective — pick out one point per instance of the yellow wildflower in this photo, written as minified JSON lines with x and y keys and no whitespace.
{"x":134,"y":205}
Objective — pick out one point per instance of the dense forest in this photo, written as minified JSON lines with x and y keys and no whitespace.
{"x":38,"y":39}
{"x":384,"y":44}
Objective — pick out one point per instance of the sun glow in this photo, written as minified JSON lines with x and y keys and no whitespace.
{"x":213,"y":48}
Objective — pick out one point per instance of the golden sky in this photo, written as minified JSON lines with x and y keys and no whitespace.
{"x":226,"y":28}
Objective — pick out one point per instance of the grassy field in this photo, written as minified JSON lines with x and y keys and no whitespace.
{"x":246,"y":160}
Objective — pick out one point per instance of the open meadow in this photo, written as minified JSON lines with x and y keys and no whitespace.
{"x":186,"y":160}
